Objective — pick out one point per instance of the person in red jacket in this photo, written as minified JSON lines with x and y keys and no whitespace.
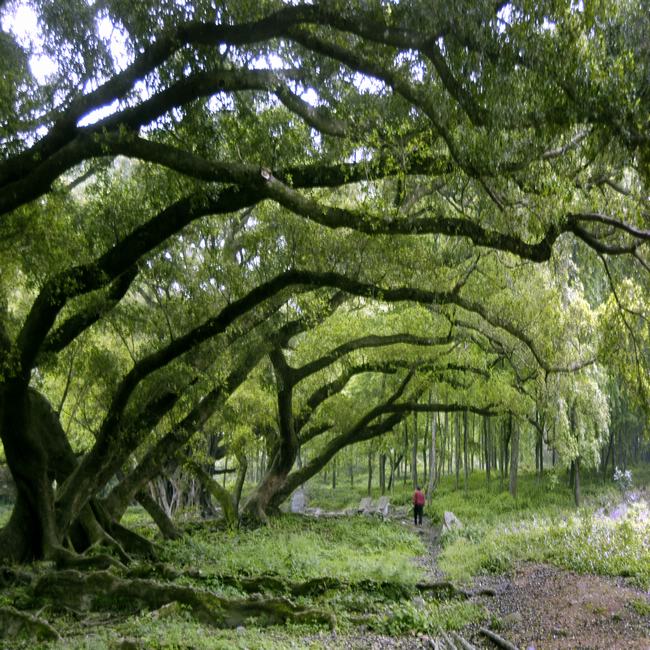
{"x":418,"y":506}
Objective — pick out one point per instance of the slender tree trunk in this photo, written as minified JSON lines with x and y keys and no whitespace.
{"x":514,"y":457}
{"x":382,"y":473}
{"x":576,"y":483}
{"x":465,"y":455}
{"x":370,"y":471}
{"x":607,"y":454}
{"x":414,"y":452}
{"x":488,"y":450}
{"x":425,"y":451}
{"x":457,"y":418}
{"x":432,"y":455}
{"x":405,"y":452}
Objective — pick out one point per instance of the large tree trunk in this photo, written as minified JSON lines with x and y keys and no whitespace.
{"x":32,"y":531}
{"x":37,"y":453}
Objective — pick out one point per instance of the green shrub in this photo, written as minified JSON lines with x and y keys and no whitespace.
{"x":542,"y":525}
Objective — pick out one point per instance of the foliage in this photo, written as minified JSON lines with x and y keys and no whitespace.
{"x":429,"y":617}
{"x":623,"y":479}
{"x":541,"y":526}
{"x":352,"y":548}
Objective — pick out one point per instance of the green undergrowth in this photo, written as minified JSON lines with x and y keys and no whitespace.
{"x":541,"y":525}
{"x":351,"y":548}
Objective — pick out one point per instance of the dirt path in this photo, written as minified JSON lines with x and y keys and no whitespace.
{"x":541,"y":607}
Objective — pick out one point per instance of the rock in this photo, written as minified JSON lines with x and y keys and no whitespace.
{"x":450,"y":522}
{"x":383,"y":507}
{"x":298,"y":502}
{"x":419,"y":602}
{"x":365,"y":505}
{"x":170,"y":610}
{"x":7,"y":486}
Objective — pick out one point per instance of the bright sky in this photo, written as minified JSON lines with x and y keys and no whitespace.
{"x":23,"y":24}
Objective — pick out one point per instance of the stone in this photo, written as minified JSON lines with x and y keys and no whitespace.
{"x":383,"y":507}
{"x":298,"y":502}
{"x":450,"y":522}
{"x":365,"y":505}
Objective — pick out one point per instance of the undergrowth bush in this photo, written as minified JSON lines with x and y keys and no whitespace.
{"x":542,"y":525}
{"x":299,"y":548}
{"x":429,"y":618}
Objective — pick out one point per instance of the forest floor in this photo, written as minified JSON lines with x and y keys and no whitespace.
{"x":542,"y":607}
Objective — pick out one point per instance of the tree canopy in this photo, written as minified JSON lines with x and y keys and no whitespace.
{"x":290,"y":225}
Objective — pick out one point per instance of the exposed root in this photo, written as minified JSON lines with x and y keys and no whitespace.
{"x":10,"y":576}
{"x":66,"y":559}
{"x":312,"y":587}
{"x":462,"y":642}
{"x":103,"y":590}
{"x":133,"y":543}
{"x":497,"y":640}
{"x":318,"y":586}
{"x":15,"y":624}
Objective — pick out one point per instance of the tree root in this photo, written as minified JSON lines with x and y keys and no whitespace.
{"x":65,"y":559}
{"x":318,"y":586}
{"x":10,"y":576}
{"x":15,"y":624}
{"x":103,"y":590}
{"x":497,"y":640}
{"x":313,"y":587}
{"x":462,"y":642}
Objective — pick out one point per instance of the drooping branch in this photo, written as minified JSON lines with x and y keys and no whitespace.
{"x":82,"y":279}
{"x":170,"y":444}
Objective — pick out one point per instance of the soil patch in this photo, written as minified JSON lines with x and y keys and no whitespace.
{"x":543,"y":607}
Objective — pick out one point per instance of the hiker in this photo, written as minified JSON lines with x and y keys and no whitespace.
{"x":418,"y":506}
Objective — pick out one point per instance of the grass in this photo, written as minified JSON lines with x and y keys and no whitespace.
{"x":541,"y":525}
{"x":298,"y":548}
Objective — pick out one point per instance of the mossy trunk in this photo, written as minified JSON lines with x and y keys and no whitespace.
{"x":39,"y":454}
